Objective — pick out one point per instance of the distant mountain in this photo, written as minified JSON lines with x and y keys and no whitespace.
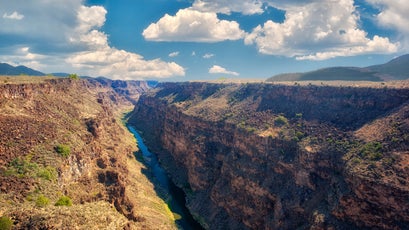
{"x":397,"y":69}
{"x":6,"y":69}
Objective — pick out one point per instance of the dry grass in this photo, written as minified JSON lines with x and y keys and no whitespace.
{"x":23,"y":79}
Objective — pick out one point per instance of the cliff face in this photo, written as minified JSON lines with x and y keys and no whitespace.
{"x":65,"y":137}
{"x":262,"y":156}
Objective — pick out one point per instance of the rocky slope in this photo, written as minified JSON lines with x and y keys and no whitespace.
{"x":65,"y":138}
{"x":264,"y":156}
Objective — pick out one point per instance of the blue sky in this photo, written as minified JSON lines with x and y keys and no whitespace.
{"x":180,"y":40}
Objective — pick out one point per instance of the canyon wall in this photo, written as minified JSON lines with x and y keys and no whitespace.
{"x":263,"y":156}
{"x":66,"y":137}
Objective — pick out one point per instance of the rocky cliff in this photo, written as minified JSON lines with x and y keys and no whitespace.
{"x":65,"y":138}
{"x":264,"y":156}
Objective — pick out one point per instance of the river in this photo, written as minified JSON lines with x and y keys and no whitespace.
{"x":177,"y":202}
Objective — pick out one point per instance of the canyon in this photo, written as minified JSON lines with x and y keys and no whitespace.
{"x":65,"y":139}
{"x":311,"y":155}
{"x":276,"y":156}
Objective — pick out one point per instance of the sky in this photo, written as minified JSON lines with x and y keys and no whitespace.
{"x":182,"y":40}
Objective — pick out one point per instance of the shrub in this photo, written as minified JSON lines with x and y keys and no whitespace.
{"x":5,"y":223}
{"x":64,"y":201}
{"x":280,"y":121}
{"x":299,"y":135}
{"x":372,"y":151}
{"x":21,"y":167}
{"x":73,"y":76}
{"x":42,"y":201}
{"x":64,"y":150}
{"x":48,"y":173}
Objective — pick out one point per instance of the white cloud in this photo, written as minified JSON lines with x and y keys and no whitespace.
{"x":190,"y":25}
{"x":216,"y":69}
{"x":15,"y":15}
{"x":207,"y":56}
{"x":174,"y":54}
{"x":394,"y":14}
{"x":247,"y":7}
{"x":23,"y":56}
{"x":68,"y":38}
{"x":90,"y":17}
{"x":318,"y":30}
{"x":102,"y":60}
{"x":119,"y":64}
{"x":313,"y":29}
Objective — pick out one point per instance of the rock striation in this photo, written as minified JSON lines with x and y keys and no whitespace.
{"x":265,"y":156}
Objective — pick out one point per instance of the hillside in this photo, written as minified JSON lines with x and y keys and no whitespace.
{"x":274,"y":156}
{"x":396,"y":69}
{"x":6,"y":69}
{"x":63,"y":142}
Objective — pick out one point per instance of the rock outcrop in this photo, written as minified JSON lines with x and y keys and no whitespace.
{"x":263,"y":156}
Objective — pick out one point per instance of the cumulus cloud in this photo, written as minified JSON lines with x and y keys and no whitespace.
{"x":119,"y":64}
{"x":247,"y":7}
{"x":24,"y":56}
{"x":312,"y":29}
{"x":15,"y":15}
{"x":69,"y":38}
{"x":317,"y":30}
{"x":394,"y":14}
{"x":190,"y":25}
{"x":216,"y":69}
{"x":101,"y":59}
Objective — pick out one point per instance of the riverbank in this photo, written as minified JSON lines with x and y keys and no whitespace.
{"x":165,"y":188}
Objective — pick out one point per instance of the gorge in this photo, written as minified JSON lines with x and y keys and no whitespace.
{"x":265,"y":156}
{"x":246,"y":155}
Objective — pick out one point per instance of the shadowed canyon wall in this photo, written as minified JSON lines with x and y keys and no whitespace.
{"x":263,"y":156}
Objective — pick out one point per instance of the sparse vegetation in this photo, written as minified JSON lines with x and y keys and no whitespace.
{"x":21,"y":167}
{"x":280,"y":121}
{"x":5,"y":223}
{"x":64,"y":201}
{"x":63,"y":150}
{"x":371,"y":151}
{"x":42,"y":201}
{"x":48,"y":173}
{"x":73,"y":76}
{"x":24,"y":167}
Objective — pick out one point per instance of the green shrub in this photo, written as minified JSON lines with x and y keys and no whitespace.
{"x":299,"y":135}
{"x":21,"y":167}
{"x":48,"y":173}
{"x":64,"y":201}
{"x":280,"y":121}
{"x":73,"y":76}
{"x":5,"y":223}
{"x":63,"y":150}
{"x":42,"y":201}
{"x":372,"y":151}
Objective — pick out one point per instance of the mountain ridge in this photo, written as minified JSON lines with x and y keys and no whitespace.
{"x":7,"y":69}
{"x":396,"y":69}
